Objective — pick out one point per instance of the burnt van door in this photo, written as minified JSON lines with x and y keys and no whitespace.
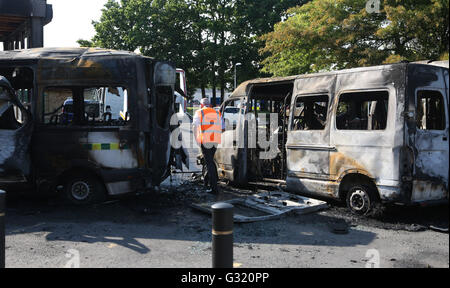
{"x":230,"y":156}
{"x":308,"y":141}
{"x":431,"y":144}
{"x":15,"y":135}
{"x":164,"y":77}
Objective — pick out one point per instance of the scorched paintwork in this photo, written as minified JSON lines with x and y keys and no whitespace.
{"x":405,"y":163}
{"x":127,"y":155}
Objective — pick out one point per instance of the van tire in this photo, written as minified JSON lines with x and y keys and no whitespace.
{"x":362,"y":199}
{"x":83,"y":189}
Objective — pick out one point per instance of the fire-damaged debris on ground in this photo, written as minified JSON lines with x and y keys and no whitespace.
{"x":267,"y":206}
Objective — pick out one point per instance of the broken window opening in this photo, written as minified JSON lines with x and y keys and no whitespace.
{"x":106,"y":106}
{"x":22,"y":81}
{"x":362,"y":111}
{"x":19,"y":77}
{"x":91,"y":106}
{"x":310,"y":113}
{"x":430,"y":110}
{"x":11,"y":116}
{"x":54,"y":99}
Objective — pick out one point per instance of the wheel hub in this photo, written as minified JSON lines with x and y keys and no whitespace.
{"x":80,"y":190}
{"x":359,"y":200}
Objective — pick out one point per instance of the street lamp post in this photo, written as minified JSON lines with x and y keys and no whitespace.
{"x":235,"y":81}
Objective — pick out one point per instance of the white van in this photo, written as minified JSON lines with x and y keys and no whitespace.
{"x":365,"y":136}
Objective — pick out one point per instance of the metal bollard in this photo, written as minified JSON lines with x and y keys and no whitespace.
{"x":222,"y":235}
{"x":2,"y":228}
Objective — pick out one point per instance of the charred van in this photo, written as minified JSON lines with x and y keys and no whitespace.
{"x":365,"y":136}
{"x":93,"y":121}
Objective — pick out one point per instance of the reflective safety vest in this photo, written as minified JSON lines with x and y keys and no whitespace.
{"x":210,"y":126}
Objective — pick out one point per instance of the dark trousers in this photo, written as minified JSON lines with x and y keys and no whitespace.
{"x":208,"y":154}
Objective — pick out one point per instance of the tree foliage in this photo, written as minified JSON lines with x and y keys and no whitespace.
{"x":204,"y":37}
{"x":337,"y":34}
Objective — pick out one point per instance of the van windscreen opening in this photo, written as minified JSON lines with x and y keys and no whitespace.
{"x":11,"y":116}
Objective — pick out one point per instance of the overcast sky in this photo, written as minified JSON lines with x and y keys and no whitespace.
{"x":72,"y":20}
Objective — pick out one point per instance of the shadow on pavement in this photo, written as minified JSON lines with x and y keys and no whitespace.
{"x":131,"y":221}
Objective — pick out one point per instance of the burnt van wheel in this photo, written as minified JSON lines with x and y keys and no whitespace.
{"x":361,"y":199}
{"x":84,"y":189}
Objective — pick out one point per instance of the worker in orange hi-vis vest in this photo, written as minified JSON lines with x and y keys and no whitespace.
{"x":208,"y":127}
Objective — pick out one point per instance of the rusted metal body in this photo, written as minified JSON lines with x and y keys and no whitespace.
{"x":397,"y":153}
{"x":128,"y":154}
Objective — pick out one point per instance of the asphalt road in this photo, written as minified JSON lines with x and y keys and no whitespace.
{"x":162,"y":230}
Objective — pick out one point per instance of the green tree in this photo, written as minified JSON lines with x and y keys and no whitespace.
{"x":85,"y":43}
{"x":204,"y":37}
{"x":337,"y":34}
{"x":417,"y":29}
{"x":157,"y":28}
{"x":253,"y":19}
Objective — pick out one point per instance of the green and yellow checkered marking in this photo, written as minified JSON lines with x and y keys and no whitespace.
{"x":104,"y":146}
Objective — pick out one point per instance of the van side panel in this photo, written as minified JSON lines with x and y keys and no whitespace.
{"x":372,"y":153}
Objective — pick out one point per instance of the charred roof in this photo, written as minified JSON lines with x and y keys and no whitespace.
{"x":242,"y":89}
{"x":73,"y":65}
{"x":62,"y":53}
